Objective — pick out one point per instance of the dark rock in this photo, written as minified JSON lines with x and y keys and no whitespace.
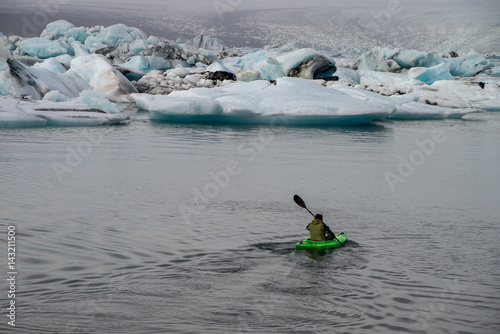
{"x":220,"y":75}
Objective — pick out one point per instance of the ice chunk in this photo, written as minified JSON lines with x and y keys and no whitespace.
{"x":42,"y":47}
{"x":306,"y":64}
{"x":145,"y":64}
{"x":78,"y":34}
{"x":99,"y":101}
{"x":79,"y":49}
{"x":52,"y":65}
{"x":291,"y":101}
{"x":178,"y":71}
{"x":375,"y":60}
{"x":431,"y":74}
{"x":95,"y":72}
{"x":381,"y":78}
{"x":17,"y":114}
{"x":420,"y":111}
{"x":414,"y":58}
{"x":55,"y":96}
{"x":94,"y":43}
{"x":14,"y":116}
{"x":469,"y":65}
{"x":248,"y":75}
{"x":118,"y":33}
{"x":137,"y":46}
{"x":56,"y":29}
{"x":460,"y":94}
{"x":347,"y":76}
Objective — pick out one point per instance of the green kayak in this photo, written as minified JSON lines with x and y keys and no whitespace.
{"x":321,"y":245}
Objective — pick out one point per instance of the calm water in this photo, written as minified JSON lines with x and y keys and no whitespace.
{"x":174,"y":228}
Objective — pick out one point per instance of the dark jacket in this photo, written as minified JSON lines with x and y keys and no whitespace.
{"x":317,"y":230}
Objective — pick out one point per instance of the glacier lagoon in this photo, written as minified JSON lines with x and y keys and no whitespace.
{"x":154,"y":227}
{"x":147,"y":226}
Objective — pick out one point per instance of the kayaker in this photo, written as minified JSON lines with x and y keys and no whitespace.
{"x":319,"y":231}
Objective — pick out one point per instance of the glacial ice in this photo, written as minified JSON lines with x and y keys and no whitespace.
{"x":57,"y":29}
{"x":292,"y":101}
{"x":119,"y":33}
{"x":431,"y":74}
{"x":42,"y":47}
{"x":22,"y":114}
{"x":95,"y":66}
{"x":273,"y":64}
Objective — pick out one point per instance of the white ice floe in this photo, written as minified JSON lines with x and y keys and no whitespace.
{"x":22,"y":114}
{"x":291,"y":101}
{"x":406,"y":107}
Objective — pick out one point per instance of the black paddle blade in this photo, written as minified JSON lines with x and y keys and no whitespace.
{"x":299,"y":201}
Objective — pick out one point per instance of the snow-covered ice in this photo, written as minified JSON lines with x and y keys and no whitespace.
{"x":206,"y":81}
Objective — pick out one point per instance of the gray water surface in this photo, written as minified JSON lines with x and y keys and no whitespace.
{"x":176,"y":228}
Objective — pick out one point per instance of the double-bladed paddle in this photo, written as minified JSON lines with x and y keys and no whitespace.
{"x":300,"y":202}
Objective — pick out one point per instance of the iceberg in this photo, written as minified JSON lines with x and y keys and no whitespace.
{"x":431,"y":74}
{"x":95,"y":72}
{"x":406,"y":107}
{"x":22,"y":114}
{"x":119,"y":33}
{"x":273,"y":64}
{"x":469,"y":65}
{"x":57,"y":29}
{"x":375,"y":60}
{"x":292,"y":101}
{"x":42,"y":48}
{"x":144,"y":64}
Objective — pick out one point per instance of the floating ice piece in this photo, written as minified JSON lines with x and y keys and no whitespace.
{"x":52,"y":65}
{"x":178,"y":71}
{"x":79,"y":49}
{"x":469,"y":65}
{"x":17,"y":114}
{"x":420,"y":111}
{"x":78,"y":34}
{"x":99,"y":101}
{"x":42,"y":48}
{"x":55,"y":96}
{"x":382,"y":78}
{"x":291,"y":101}
{"x":431,"y":74}
{"x":248,"y":75}
{"x":414,"y":58}
{"x":56,"y":29}
{"x":406,"y":106}
{"x":118,"y":33}
{"x":375,"y":60}
{"x":14,"y":116}
{"x":145,"y":64}
{"x":461,"y":94}
{"x":95,"y":72}
{"x":137,"y":46}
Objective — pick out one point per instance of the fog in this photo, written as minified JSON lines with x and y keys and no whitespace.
{"x":342,"y":25}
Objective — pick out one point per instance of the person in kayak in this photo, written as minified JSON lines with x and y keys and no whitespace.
{"x":319,"y":231}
